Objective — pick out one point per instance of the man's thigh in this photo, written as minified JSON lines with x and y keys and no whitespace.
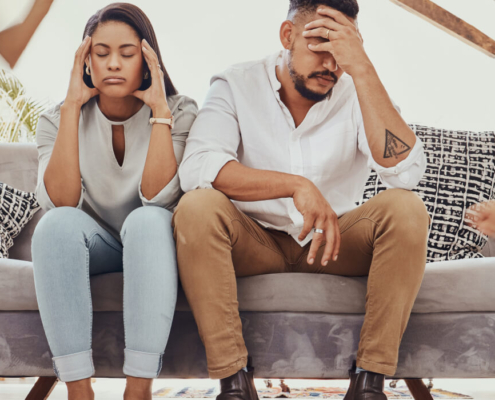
{"x":256,"y":250}
{"x":357,"y":229}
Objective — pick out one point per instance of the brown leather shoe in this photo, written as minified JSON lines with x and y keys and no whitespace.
{"x":352,"y":376}
{"x":239,"y":386}
{"x":369,"y":386}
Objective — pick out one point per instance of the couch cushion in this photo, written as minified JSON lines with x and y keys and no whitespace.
{"x":449,"y":286}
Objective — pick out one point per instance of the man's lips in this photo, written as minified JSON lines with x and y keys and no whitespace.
{"x":324,"y":79}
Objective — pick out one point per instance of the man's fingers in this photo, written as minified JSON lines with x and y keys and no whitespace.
{"x":326,"y":46}
{"x":309,"y":221}
{"x":336,"y":247}
{"x":336,"y":15}
{"x":330,"y":236}
{"x":321,"y":32}
{"x":323,"y":23}
{"x":315,"y":245}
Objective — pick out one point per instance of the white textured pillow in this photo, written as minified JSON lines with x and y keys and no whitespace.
{"x":460,"y":172}
{"x":16,"y":210}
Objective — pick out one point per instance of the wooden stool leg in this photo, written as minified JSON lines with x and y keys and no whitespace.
{"x":42,"y":388}
{"x":418,"y":389}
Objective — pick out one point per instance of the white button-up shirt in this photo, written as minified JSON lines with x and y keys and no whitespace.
{"x":244,"y":119}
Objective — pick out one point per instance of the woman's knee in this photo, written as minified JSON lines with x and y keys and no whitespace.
{"x":152,"y":219}
{"x":61,"y":223}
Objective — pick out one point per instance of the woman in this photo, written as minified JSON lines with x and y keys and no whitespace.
{"x":108,"y":175}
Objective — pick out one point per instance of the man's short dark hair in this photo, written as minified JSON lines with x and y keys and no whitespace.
{"x":347,"y":7}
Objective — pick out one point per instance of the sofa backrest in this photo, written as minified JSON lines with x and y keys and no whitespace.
{"x":19,"y":168}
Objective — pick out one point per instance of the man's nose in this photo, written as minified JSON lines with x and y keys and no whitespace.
{"x":331,"y":64}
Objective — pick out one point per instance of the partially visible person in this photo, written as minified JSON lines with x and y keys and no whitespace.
{"x":482,"y":216}
{"x":14,"y":40}
{"x":108,"y":179}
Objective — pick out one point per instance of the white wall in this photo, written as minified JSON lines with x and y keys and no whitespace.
{"x":435,"y":78}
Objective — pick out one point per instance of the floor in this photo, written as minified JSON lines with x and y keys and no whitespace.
{"x":112,"y":389}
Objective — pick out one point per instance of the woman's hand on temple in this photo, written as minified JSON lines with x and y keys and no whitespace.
{"x":79,"y":93}
{"x":155,"y":96}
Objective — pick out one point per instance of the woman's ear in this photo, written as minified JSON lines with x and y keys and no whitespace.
{"x":286,"y":34}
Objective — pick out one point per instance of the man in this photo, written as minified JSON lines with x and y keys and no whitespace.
{"x":291,"y":140}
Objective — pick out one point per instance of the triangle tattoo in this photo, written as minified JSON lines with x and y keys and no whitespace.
{"x":394,"y":146}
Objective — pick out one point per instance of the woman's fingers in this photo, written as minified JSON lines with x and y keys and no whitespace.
{"x":81,"y":52}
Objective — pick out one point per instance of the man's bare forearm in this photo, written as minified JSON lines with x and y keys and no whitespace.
{"x":389,"y":137}
{"x":62,"y":175}
{"x":241,"y":183}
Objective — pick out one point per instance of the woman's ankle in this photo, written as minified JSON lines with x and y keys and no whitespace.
{"x":80,"y":390}
{"x":138,"y":388}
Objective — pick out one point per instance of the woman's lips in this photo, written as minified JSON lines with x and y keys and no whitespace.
{"x":114,"y":80}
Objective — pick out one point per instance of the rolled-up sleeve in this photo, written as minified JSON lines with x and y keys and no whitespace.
{"x":213,"y":141}
{"x":46,"y":133}
{"x":184,"y":112}
{"x":407,"y":173}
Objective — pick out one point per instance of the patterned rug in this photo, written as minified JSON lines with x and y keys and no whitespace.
{"x":304,"y":393}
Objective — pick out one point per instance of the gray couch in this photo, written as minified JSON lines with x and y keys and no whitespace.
{"x":295,"y":325}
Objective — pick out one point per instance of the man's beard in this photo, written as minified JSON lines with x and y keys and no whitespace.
{"x":300,"y":82}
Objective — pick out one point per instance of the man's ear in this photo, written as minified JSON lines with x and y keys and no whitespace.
{"x":287,"y":34}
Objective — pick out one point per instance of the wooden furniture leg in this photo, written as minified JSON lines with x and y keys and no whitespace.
{"x":42,"y":388}
{"x":418,"y":389}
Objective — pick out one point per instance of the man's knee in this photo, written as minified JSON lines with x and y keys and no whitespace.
{"x":405,"y":207}
{"x":199,"y":207}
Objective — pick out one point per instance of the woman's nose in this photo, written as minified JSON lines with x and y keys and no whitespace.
{"x":114,"y":62}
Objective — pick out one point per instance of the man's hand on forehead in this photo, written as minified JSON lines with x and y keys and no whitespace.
{"x":344,"y":41}
{"x":332,"y":20}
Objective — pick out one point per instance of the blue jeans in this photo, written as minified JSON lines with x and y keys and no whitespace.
{"x":68,"y":246}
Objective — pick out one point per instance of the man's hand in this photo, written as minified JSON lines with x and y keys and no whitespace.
{"x":318,"y":214}
{"x":344,"y":40}
{"x":482,"y":217}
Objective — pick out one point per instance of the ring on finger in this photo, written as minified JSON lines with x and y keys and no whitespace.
{"x":319,"y":231}
{"x":328,"y":34}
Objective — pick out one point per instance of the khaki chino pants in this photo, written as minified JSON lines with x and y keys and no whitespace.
{"x":384,"y":239}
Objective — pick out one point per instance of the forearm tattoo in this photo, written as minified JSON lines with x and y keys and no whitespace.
{"x":394,"y":146}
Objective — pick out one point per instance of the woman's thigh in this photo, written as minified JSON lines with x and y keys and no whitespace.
{"x":67,"y":237}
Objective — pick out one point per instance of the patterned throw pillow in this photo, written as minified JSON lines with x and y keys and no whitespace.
{"x":460,"y":172}
{"x":16,"y":210}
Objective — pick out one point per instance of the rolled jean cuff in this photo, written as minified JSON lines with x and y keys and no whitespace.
{"x":74,"y":367}
{"x":142,"y":365}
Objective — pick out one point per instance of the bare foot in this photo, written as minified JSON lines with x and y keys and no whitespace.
{"x":80,"y":390}
{"x":138,"y":389}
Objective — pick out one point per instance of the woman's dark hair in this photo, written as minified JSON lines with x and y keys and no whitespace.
{"x":137,"y":20}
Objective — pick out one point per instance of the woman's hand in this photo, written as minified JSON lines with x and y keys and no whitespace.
{"x":482,"y":217}
{"x":155,"y":97}
{"x":79,"y":93}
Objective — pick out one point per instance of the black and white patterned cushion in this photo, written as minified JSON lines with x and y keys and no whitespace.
{"x":460,"y":172}
{"x":16,"y":210}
